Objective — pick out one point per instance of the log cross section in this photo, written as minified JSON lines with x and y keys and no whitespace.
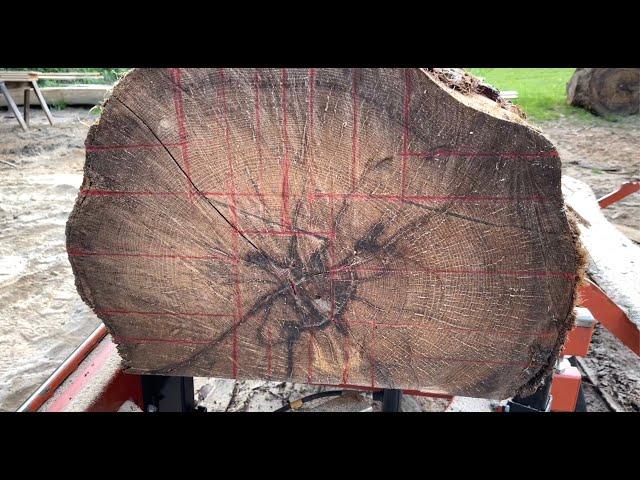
{"x":371,"y":227}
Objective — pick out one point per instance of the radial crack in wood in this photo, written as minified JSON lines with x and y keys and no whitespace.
{"x":398,"y":228}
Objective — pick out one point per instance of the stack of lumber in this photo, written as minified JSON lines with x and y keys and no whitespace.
{"x":396,"y":228}
{"x":17,"y":81}
{"x":68,"y":95}
{"x":24,"y":76}
{"x":69,"y":75}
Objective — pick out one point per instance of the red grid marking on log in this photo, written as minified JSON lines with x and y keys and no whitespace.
{"x":507,"y":273}
{"x":327,"y":195}
{"x":236,"y":233}
{"x":242,"y":194}
{"x":427,"y":198}
{"x":172,"y":341}
{"x":426,"y":326}
{"x":331,"y":252}
{"x":472,"y":154}
{"x":77,"y":252}
{"x":258,"y":128}
{"x":373,"y":353}
{"x":314,"y":183}
{"x":290,"y":233}
{"x":314,"y":186}
{"x":436,"y":326}
{"x":176,"y":75}
{"x":136,"y":146}
{"x":284,"y":214}
{"x":269,"y":353}
{"x":356,"y":128}
{"x":434,"y":153}
{"x":311,"y":135}
{"x":74,"y":252}
{"x":121,"y":193}
{"x":310,"y":172}
{"x":405,"y":137}
{"x":158,"y":314}
{"x":310,"y":357}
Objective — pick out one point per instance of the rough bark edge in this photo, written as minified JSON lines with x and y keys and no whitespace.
{"x":83,"y":290}
{"x":568,"y":323}
{"x":476,"y":90}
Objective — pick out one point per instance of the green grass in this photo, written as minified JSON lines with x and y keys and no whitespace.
{"x":541,"y":91}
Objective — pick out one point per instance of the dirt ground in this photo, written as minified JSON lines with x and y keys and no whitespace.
{"x":42,"y":318}
{"x":604,"y":155}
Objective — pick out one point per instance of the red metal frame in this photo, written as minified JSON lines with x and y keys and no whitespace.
{"x":116,"y":390}
{"x":578,"y":341}
{"x":48,"y":388}
{"x":625,"y":189}
{"x":610,"y":315}
{"x":565,"y":389}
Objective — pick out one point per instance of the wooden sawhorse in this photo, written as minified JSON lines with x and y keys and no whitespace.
{"x":27,"y":84}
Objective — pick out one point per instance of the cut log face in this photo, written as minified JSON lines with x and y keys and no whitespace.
{"x":605,"y":91}
{"x":365,"y":227}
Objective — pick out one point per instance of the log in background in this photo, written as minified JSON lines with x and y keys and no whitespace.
{"x":340,"y":226}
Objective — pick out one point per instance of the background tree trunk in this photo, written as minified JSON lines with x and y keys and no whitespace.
{"x":605,"y":91}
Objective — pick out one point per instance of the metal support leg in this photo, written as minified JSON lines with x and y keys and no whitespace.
{"x":27,"y":105}
{"x":43,"y":102}
{"x":168,"y":394}
{"x":391,"y":400}
{"x":13,"y":106}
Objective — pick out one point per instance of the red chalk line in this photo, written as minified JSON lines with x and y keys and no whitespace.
{"x":474,"y":154}
{"x":76,"y":252}
{"x":405,"y":122}
{"x":430,"y":154}
{"x":158,"y":314}
{"x":234,"y":214}
{"x":325,"y":195}
{"x":138,"y":340}
{"x":135,"y":146}
{"x":355,"y":132}
{"x":514,"y":273}
{"x":182,"y":130}
{"x":437,"y":326}
{"x":284,"y":214}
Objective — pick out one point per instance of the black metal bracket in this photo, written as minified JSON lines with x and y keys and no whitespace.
{"x":168,"y":394}
{"x":391,"y":400}
{"x":539,"y":401}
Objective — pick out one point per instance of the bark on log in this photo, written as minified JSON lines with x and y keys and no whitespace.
{"x":381,"y":227}
{"x":605,"y":91}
